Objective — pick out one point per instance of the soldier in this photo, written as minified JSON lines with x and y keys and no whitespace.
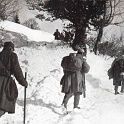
{"x":117,"y":73}
{"x":73,"y":79}
{"x":57,"y":34}
{"x":8,"y":95}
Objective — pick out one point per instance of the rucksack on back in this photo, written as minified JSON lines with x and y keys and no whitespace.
{"x":121,"y":63}
{"x":3,"y":70}
{"x":71,"y":63}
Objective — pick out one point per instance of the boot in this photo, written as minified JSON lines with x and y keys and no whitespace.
{"x":122,"y":91}
{"x":65,"y":100}
{"x":2,"y":112}
{"x":116,"y":93}
{"x":77,"y":107}
{"x":64,"y":104}
{"x":116,"y":90}
{"x":122,"y":87}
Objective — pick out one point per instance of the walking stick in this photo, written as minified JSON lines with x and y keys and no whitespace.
{"x":25,"y":99}
{"x":84,"y":88}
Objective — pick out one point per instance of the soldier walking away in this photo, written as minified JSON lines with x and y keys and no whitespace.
{"x":116,"y":72}
{"x":73,"y":80}
{"x":57,"y":34}
{"x":8,"y":89}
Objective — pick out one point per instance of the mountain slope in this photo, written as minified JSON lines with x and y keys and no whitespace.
{"x":39,"y":35}
{"x":43,"y":104}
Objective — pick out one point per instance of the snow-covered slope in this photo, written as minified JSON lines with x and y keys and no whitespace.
{"x":110,"y":31}
{"x":44,"y":97}
{"x":39,"y":35}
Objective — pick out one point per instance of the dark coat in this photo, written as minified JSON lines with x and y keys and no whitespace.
{"x":72,"y":82}
{"x":115,"y":70}
{"x":57,"y":35}
{"x":10,"y":60}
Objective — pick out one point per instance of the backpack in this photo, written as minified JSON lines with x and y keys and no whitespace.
{"x":110,"y":73}
{"x":11,"y":90}
{"x":121,"y":63}
{"x":72,"y":63}
{"x":3,"y":70}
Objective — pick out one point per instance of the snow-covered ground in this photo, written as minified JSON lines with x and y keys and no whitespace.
{"x":110,"y":31}
{"x":38,"y":34}
{"x":44,"y":97}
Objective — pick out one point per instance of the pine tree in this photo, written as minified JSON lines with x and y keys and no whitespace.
{"x":16,"y":19}
{"x":81,"y":13}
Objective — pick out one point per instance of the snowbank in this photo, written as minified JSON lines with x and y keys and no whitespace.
{"x":30,"y":33}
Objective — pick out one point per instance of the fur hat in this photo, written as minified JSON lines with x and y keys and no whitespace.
{"x":80,"y":48}
{"x":9,"y":44}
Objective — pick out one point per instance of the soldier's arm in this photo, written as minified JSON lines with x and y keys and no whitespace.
{"x":17,"y":71}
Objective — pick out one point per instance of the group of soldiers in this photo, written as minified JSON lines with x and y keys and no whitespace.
{"x":65,"y":36}
{"x":72,"y":80}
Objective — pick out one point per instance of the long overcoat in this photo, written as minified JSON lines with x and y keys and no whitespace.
{"x":115,"y":70}
{"x":10,"y":60}
{"x":72,"y":82}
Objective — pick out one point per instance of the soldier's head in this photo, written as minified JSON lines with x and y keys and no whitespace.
{"x":79,"y":48}
{"x":9,"y":45}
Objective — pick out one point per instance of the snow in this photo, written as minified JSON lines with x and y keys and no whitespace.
{"x":47,"y":26}
{"x":39,"y":35}
{"x":44,"y":97}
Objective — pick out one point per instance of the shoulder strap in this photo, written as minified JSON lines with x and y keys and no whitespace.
{"x":5,"y":72}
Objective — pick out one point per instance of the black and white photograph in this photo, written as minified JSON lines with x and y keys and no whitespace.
{"x":61,"y":61}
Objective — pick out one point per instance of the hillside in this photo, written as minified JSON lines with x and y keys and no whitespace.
{"x":44,"y":97}
{"x":110,"y":31}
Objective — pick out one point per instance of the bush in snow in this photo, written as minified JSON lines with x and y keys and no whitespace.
{"x":31,"y":23}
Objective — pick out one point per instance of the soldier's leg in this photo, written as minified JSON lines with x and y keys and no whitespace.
{"x":122,"y":86}
{"x":76,"y":100}
{"x":2,"y":112}
{"x":116,"y":87}
{"x":66,"y":99}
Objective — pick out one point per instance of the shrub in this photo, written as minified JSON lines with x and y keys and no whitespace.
{"x":31,"y":23}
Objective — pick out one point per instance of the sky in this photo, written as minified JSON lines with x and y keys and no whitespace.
{"x":44,"y":72}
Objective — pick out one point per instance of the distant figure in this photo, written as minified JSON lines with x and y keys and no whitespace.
{"x":62,"y":35}
{"x":57,"y":34}
{"x":71,"y":35}
{"x":9,"y":65}
{"x":117,"y":73}
{"x":81,"y":46}
{"x":67,"y":36}
{"x":73,"y":80}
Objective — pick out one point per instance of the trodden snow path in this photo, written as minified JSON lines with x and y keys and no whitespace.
{"x":44,"y":95}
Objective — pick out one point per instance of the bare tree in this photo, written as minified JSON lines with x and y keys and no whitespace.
{"x":113,"y":8}
{"x":80,"y":13}
{"x":83,"y":14}
{"x":9,"y":8}
{"x":31,"y":23}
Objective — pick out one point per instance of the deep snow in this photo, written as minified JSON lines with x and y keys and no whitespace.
{"x":44,"y":97}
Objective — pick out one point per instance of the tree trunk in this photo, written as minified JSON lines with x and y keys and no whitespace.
{"x":99,"y":36}
{"x":98,"y":40}
{"x":80,"y":37}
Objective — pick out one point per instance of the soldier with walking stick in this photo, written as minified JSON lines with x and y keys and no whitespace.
{"x":9,"y":65}
{"x":73,"y":80}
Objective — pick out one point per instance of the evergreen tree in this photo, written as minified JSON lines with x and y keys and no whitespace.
{"x":81,"y":13}
{"x":17,"y":19}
